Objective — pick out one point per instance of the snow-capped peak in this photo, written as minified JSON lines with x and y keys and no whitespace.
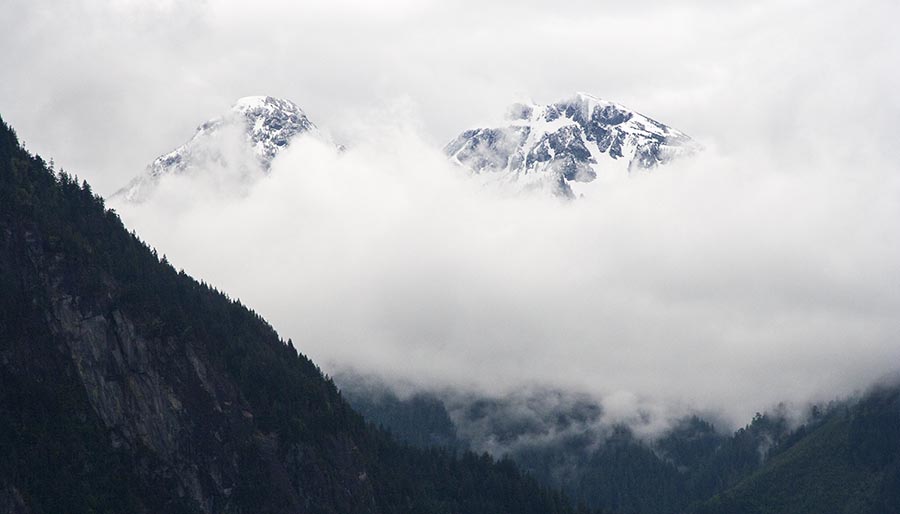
{"x":563,"y":146}
{"x":264,"y":126}
{"x":271,"y":123}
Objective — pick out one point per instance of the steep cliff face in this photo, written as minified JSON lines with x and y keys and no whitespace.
{"x":145,"y":391}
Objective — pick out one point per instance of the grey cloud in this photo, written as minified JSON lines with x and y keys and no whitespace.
{"x":765,"y":270}
{"x":710,"y":284}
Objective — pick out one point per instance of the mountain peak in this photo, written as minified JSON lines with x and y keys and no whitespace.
{"x":271,"y":123}
{"x":266,"y":124}
{"x":564,"y":146}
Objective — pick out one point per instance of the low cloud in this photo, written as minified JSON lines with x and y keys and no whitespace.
{"x":764,"y":270}
{"x":722,"y":282}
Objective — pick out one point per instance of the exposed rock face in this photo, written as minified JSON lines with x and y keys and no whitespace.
{"x":561,"y":146}
{"x":243,"y":141}
{"x":11,"y":501}
{"x":166,"y":404}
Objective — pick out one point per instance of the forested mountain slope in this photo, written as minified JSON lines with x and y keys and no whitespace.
{"x":848,"y":464}
{"x":844,"y":458}
{"x":127,"y":386}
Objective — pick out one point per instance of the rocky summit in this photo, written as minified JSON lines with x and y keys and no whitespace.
{"x":562,"y":147}
{"x":244,"y":140}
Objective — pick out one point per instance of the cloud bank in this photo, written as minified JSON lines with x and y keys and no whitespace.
{"x":764,"y":270}
{"x":713,"y":283}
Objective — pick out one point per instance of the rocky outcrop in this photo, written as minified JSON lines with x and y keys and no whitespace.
{"x":170,"y":400}
{"x":559,"y":147}
{"x":238,"y":145}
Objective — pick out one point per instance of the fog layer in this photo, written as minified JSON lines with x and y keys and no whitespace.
{"x":714,"y":283}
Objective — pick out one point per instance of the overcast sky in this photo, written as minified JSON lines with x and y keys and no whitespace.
{"x":766,"y":269}
{"x":105,"y":86}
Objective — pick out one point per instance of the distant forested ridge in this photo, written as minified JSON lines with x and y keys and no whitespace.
{"x":844,"y":458}
{"x":127,"y":386}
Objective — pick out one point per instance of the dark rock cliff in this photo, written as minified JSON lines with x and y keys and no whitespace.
{"x":169,"y":403}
